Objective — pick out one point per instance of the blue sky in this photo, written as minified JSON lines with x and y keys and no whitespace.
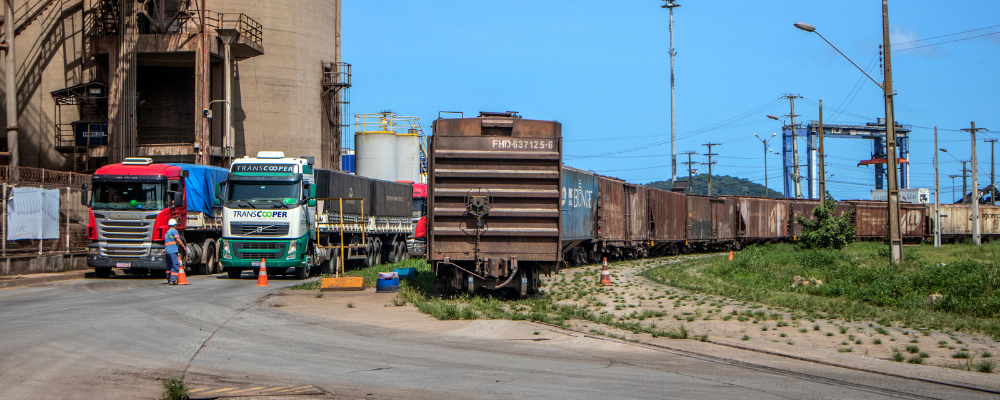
{"x":601,"y":68}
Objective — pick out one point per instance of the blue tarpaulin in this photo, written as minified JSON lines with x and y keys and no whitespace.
{"x":200,"y":186}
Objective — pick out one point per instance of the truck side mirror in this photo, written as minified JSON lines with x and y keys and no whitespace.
{"x":176,"y":198}
{"x":312,"y":203}
{"x":83,"y":195}
{"x":217,"y":202}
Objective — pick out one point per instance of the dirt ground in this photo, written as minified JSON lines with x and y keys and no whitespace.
{"x":769,"y":329}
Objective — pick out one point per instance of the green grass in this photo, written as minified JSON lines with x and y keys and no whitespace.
{"x":986,"y":366}
{"x":859,"y":283}
{"x":370,"y":274}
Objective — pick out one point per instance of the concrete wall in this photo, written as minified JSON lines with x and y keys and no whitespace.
{"x":277,"y":95}
{"x":34,"y":264}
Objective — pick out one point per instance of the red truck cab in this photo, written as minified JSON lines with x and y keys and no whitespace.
{"x":130,"y":205}
{"x":417,"y":242}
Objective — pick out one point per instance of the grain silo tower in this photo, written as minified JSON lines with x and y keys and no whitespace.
{"x":193,"y":81}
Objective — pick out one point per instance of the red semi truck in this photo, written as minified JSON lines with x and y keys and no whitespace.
{"x":130,"y":205}
{"x":416,"y":244}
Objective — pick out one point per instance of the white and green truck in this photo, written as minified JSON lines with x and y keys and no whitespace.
{"x":294,"y":217}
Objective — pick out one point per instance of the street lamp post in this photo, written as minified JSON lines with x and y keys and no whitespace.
{"x":795,"y":155}
{"x":964,"y":170}
{"x":764,"y":141}
{"x":895,"y":236}
{"x":671,"y":5}
{"x":953,"y":187}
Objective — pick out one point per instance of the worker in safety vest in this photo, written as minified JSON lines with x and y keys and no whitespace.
{"x":172,"y":241}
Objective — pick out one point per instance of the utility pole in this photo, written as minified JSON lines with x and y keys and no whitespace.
{"x":976,"y":238}
{"x":895,"y":231}
{"x":795,"y":145}
{"x":965,"y":179}
{"x":993,"y":189}
{"x":822,"y":158}
{"x":709,"y":163}
{"x":689,"y":163}
{"x":671,"y":5}
{"x":12,"y":150}
{"x":937,"y":194}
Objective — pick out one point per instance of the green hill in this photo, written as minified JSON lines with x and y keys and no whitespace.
{"x":721,"y":185}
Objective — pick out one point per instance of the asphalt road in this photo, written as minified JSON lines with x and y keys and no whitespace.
{"x":116,"y":338}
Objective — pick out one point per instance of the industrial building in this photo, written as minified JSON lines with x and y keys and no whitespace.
{"x":195,"y":81}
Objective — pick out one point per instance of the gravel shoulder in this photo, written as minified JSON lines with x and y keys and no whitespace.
{"x":759,"y":328}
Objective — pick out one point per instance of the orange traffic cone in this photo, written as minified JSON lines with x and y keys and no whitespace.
{"x":182,"y":276}
{"x":262,"y":275}
{"x":730,"y":255}
{"x":605,"y":274}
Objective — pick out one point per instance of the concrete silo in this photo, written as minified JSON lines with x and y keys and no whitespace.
{"x":387,"y":146}
{"x":160,"y":78}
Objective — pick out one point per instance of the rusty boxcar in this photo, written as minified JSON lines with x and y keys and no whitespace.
{"x":761,"y":219}
{"x":710,"y":223}
{"x":870,"y":220}
{"x":579,"y":216}
{"x":668,"y":216}
{"x":637,"y":216}
{"x":494,"y":194}
{"x":611,"y":211}
{"x":956,"y":221}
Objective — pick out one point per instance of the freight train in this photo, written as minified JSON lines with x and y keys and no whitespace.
{"x":502,"y":209}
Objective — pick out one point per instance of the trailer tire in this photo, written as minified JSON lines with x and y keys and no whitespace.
{"x":234,"y":273}
{"x":102,"y":272}
{"x":301,"y":272}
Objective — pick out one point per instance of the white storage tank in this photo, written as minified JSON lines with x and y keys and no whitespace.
{"x":408,"y":157}
{"x":375,"y":154}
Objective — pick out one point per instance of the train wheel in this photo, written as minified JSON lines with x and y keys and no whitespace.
{"x":524,"y":281}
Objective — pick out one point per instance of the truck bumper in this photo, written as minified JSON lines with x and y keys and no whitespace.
{"x":416,"y":247}
{"x":96,"y":260}
{"x":276,"y":258}
{"x":248,"y":264}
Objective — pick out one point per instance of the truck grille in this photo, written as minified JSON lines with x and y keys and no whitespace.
{"x":257,"y":250}
{"x":258,"y":256}
{"x":125,"y":238}
{"x":247,"y":229}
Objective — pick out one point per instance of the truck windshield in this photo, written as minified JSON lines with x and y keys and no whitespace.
{"x":264,"y":194}
{"x":129,"y":196}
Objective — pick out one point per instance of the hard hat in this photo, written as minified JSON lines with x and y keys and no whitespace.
{"x":172,"y":222}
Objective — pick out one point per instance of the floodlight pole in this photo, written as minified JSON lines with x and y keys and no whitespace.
{"x":671,"y":5}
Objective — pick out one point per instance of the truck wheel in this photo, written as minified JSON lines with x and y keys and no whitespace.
{"x":234,"y":273}
{"x":102,"y":272}
{"x":324,"y":268}
{"x":301,"y":273}
{"x":390,"y":253}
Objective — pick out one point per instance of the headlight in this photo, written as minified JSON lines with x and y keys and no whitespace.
{"x":291,"y":250}
{"x":156,"y":252}
{"x":225,"y":249}
{"x":93,"y":250}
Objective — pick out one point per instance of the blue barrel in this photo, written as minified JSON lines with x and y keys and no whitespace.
{"x":406,"y":273}
{"x":387,"y":282}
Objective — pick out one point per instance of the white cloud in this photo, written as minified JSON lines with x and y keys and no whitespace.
{"x":904,"y":38}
